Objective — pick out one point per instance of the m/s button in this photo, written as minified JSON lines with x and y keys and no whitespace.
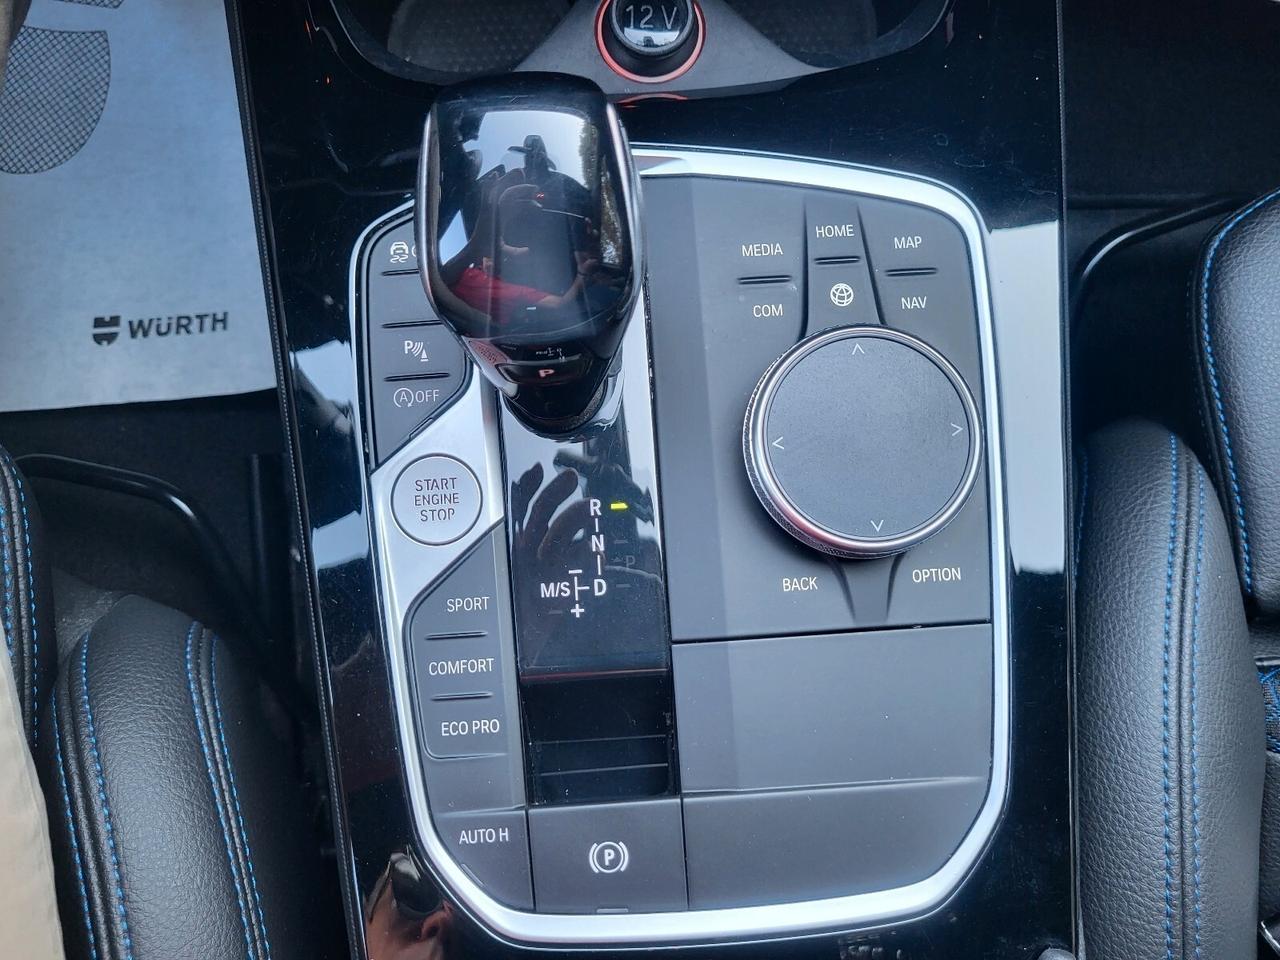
{"x":610,"y":858}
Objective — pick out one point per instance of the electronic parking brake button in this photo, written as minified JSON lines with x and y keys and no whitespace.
{"x":608,"y":858}
{"x":436,"y":499}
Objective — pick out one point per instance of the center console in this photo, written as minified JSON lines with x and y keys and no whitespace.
{"x":741,"y":618}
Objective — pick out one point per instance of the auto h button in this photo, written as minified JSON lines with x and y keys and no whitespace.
{"x":494,"y":849}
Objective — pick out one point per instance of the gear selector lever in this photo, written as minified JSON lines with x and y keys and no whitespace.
{"x":528,"y":229}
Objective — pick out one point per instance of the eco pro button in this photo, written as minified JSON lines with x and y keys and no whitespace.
{"x":436,"y":499}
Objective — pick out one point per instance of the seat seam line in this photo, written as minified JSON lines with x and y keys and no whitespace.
{"x":250,"y":950}
{"x":33,"y":668}
{"x":113,"y":853}
{"x":1206,"y":336}
{"x":1197,"y":915}
{"x":1168,"y":617}
{"x":235,"y":796}
{"x":72,"y":830}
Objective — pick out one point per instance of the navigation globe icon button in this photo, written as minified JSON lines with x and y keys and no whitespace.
{"x":842,"y":294}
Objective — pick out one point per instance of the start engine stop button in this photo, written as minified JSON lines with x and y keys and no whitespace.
{"x":436,"y":499}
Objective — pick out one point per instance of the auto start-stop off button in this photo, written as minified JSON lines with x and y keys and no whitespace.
{"x":436,"y":499}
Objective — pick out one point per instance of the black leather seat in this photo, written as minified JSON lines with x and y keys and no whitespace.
{"x":178,"y":824}
{"x":1178,"y":594}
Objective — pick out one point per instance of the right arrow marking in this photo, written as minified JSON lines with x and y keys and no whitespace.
{"x":955,"y":429}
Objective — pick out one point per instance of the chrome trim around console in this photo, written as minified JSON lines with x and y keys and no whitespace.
{"x":405,"y":567}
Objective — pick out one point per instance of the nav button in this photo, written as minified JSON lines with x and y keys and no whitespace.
{"x":608,"y":858}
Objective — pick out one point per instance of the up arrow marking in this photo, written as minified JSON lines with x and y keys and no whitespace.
{"x":877,"y":524}
{"x":857,"y":348}
{"x":955,"y":429}
{"x":778,"y":443}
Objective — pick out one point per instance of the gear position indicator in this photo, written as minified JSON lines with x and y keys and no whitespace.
{"x":586,"y":563}
{"x":579,"y":583}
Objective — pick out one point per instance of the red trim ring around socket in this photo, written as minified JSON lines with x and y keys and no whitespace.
{"x":640,"y":77}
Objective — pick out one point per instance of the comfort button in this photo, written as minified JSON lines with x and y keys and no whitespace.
{"x":457,"y":666}
{"x":436,"y":499}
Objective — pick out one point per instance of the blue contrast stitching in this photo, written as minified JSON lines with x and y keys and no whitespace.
{"x":1084,"y":499}
{"x":71,"y":829}
{"x":31,"y":603}
{"x":1168,"y":619}
{"x":213,"y":786}
{"x":1219,"y":407}
{"x":102,"y":795}
{"x":235,"y":797}
{"x":1195,"y":749}
{"x":8,"y":579}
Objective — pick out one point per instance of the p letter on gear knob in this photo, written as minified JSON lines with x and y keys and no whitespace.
{"x":528,"y":226}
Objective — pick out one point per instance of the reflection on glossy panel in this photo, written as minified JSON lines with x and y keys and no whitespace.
{"x":529,"y":241}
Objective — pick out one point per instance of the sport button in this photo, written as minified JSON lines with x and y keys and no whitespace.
{"x":436,"y":499}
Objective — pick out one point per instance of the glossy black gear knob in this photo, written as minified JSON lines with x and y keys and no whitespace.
{"x":528,"y":231}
